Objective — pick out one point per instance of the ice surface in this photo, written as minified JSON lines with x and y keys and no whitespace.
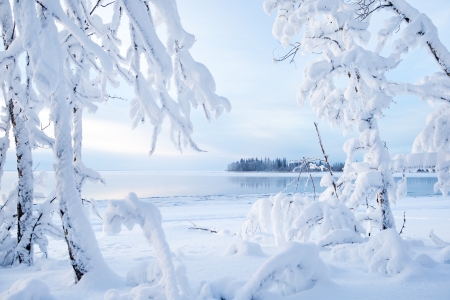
{"x":163,"y":184}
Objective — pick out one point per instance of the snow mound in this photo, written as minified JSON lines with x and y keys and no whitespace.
{"x":346,"y":253}
{"x":425,"y":260}
{"x":146,"y":272}
{"x":147,"y":280}
{"x":340,"y":236}
{"x":116,"y":295}
{"x":244,"y":248}
{"x":297,"y":267}
{"x":444,"y":255}
{"x":28,"y":289}
{"x":385,"y":253}
{"x":438,"y":241}
{"x":224,"y":288}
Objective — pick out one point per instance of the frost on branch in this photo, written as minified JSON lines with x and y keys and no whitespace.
{"x":165,"y":64}
{"x":8,"y":219}
{"x":41,"y":226}
{"x":297,"y":267}
{"x":132,"y":211}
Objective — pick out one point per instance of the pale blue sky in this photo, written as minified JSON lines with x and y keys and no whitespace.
{"x":234,"y":41}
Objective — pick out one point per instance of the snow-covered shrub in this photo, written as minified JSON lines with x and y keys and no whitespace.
{"x":328,"y":218}
{"x":294,"y":218}
{"x":244,"y":248}
{"x":385,"y":253}
{"x":132,"y":211}
{"x":30,"y":288}
{"x":258,"y":219}
{"x":297,"y":267}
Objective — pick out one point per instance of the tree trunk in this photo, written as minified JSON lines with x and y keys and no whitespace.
{"x":77,"y":137}
{"x":387,"y":219}
{"x":24,"y":250}
{"x":83,"y":249}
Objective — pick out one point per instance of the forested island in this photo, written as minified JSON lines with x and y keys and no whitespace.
{"x":277,"y":165}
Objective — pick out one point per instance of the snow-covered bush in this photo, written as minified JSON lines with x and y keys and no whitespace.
{"x":294,"y":218}
{"x":385,"y":253}
{"x":297,"y":267}
{"x":30,"y":288}
{"x":132,"y":211}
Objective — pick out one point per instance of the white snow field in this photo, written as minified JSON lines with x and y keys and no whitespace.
{"x":220,"y":265}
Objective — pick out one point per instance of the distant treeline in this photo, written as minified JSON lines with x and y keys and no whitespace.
{"x":275,"y":165}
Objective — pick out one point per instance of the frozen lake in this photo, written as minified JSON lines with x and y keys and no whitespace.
{"x":164,"y":184}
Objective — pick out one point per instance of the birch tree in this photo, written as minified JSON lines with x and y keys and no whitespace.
{"x":22,"y":105}
{"x":60,"y":65}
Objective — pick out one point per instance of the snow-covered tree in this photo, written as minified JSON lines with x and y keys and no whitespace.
{"x":68,"y":70}
{"x":337,"y":30}
{"x":23,"y":106}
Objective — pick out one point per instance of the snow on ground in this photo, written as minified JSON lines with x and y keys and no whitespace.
{"x":207,"y":255}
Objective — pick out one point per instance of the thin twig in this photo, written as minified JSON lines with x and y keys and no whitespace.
{"x":49,"y":122}
{"x":115,"y":97}
{"x":36,"y":167}
{"x":404,"y":221}
{"x":291,"y":54}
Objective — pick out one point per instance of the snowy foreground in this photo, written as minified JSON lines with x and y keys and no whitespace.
{"x":222,"y":262}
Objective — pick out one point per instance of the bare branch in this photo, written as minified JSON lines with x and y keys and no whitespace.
{"x":200,"y":228}
{"x":326,"y":159}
